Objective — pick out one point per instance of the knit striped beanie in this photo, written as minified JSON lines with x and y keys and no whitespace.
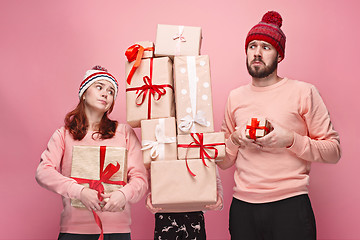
{"x":97,"y":73}
{"x":268,"y":30}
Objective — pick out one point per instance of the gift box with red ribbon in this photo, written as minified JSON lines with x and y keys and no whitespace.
{"x":209,"y":146}
{"x":173,"y":40}
{"x":101,"y":168}
{"x":257,"y":128}
{"x":194,"y":109}
{"x":158,"y":140}
{"x":149,"y":91}
{"x":174,"y":189}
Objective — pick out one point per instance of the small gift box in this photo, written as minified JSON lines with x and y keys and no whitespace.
{"x":158,"y":140}
{"x":172,"y":40}
{"x":174,"y":189}
{"x":101,"y":168}
{"x":194,"y":110}
{"x":150,"y":93}
{"x":257,"y":128}
{"x":202,"y":145}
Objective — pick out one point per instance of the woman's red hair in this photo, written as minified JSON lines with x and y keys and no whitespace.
{"x":77,"y":123}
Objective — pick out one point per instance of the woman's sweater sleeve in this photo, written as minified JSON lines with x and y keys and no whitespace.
{"x":228,"y":127}
{"x":48,"y":172}
{"x":322,"y":144}
{"x":137,"y":184}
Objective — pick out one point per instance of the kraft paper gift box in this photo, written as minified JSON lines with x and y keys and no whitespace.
{"x":173,"y":40}
{"x":150,"y":94}
{"x":194,"y":110}
{"x":158,"y":140}
{"x":95,"y":163}
{"x":174,"y":189}
{"x":257,"y":128}
{"x":201,"y":145}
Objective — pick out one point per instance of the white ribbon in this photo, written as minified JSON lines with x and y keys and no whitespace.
{"x":157,"y":148}
{"x":180,"y":39}
{"x":188,"y":122}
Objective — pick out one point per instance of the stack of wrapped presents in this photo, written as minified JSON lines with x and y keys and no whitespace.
{"x":168,"y":95}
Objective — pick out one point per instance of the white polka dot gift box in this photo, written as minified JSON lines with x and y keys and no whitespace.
{"x":193,"y":95}
{"x":172,"y":40}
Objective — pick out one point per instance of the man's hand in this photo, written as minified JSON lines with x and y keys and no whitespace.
{"x":149,"y":205}
{"x":280,"y":137}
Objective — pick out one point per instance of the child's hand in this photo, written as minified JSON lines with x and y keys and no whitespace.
{"x":149,"y":205}
{"x":217,"y":206}
{"x":116,"y":202}
{"x":89,"y":197}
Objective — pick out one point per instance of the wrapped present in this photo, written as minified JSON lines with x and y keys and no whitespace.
{"x":174,"y":189}
{"x":202,"y":145}
{"x":194,"y":111}
{"x":158,"y":139}
{"x":257,"y":127}
{"x":137,"y":52}
{"x":150,"y":94}
{"x":101,"y":168}
{"x":172,"y":40}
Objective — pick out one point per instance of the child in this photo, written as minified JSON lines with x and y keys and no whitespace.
{"x":88,"y":124}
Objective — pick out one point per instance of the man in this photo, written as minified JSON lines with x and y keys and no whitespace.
{"x":270,"y":198}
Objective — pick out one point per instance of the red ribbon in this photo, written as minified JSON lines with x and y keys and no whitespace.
{"x":157,"y":91}
{"x":135,"y":52}
{"x":252,"y":128}
{"x":105,"y":176}
{"x":199,"y":143}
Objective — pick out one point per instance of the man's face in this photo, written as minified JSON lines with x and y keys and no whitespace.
{"x":261,"y":59}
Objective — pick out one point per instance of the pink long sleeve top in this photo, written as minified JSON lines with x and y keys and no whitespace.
{"x":271,"y":174}
{"x":53,"y":173}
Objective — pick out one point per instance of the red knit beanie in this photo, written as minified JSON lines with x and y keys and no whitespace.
{"x":268,"y":30}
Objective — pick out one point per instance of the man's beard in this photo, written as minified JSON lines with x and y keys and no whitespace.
{"x":257,"y":72}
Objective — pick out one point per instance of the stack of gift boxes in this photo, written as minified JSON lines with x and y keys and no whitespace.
{"x":168,"y":95}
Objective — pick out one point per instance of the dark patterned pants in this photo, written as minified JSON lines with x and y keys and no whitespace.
{"x":176,"y":226}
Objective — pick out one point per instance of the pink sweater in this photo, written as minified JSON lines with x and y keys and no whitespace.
{"x":53,"y":173}
{"x":270,"y":174}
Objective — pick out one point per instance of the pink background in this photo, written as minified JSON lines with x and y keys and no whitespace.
{"x":46,"y":47}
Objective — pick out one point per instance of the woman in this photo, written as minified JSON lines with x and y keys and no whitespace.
{"x":88,"y":125}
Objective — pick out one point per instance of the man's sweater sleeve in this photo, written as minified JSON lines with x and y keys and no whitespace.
{"x":228,"y":127}
{"x":322,"y":144}
{"x":137,"y":185}
{"x":48,"y":172}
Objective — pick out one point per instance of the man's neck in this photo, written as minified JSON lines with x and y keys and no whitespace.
{"x":267,"y":81}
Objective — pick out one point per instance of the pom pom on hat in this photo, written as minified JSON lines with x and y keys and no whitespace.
{"x":95,"y":74}
{"x":268,"y":30}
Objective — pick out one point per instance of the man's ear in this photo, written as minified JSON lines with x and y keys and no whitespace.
{"x":279,"y":58}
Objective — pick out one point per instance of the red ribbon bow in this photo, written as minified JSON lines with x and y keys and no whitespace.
{"x":255,"y":125}
{"x":199,"y":143}
{"x":157,"y":91}
{"x":105,"y":176}
{"x":135,"y":52}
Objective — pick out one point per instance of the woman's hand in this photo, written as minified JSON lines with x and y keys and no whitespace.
{"x":116,"y":201}
{"x":217,"y":206}
{"x":89,"y":197}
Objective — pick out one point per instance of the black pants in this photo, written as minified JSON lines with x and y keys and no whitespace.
{"x":177,"y":226}
{"x":112,"y":236}
{"x":288,"y":219}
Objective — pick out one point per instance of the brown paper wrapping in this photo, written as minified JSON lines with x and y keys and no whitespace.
{"x":166,"y":45}
{"x":167,"y":151}
{"x":194,"y":152}
{"x":162,"y":108}
{"x":86,"y":164}
{"x":259,"y":132}
{"x":201,"y":88}
{"x":146,"y":44}
{"x":174,"y":190}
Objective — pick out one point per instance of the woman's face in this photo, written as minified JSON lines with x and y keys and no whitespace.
{"x":99,"y":96}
